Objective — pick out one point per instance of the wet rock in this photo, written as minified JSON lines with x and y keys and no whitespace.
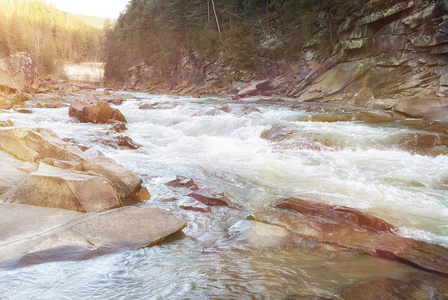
{"x":259,"y":234}
{"x":142,"y":195}
{"x":24,"y":111}
{"x":17,"y":71}
{"x":359,"y":232}
{"x":5,"y":104}
{"x":253,"y":87}
{"x":7,"y":123}
{"x":374,"y":117}
{"x":417,"y":107}
{"x":209,"y":198}
{"x":386,"y":288}
{"x":59,"y":188}
{"x":179,"y":181}
{"x":33,"y":145}
{"x":330,"y":117}
{"x":99,"y":112}
{"x":424,"y":143}
{"x":29,"y":229}
{"x":126,"y":182}
{"x":437,"y":114}
{"x":363,"y":97}
{"x":49,"y":100}
{"x":119,"y":126}
{"x":189,"y":203}
{"x":127,"y":142}
{"x":339,"y":214}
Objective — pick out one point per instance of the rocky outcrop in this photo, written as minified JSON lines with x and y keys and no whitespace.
{"x":396,"y":52}
{"x":33,"y":231}
{"x":67,"y":189}
{"x":18,"y":72}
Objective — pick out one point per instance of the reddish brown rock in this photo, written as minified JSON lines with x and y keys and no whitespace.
{"x":179,"y":181}
{"x":339,"y":214}
{"x":99,"y":112}
{"x":209,"y":198}
{"x":189,"y":203}
{"x":360,"y":232}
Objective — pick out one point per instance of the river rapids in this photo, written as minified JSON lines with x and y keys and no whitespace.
{"x":256,"y":154}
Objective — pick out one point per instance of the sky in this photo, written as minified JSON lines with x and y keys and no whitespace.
{"x":98,"y":8}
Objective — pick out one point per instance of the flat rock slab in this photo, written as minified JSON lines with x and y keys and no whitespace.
{"x":27,"y":229}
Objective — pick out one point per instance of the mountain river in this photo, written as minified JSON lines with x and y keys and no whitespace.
{"x":256,"y":154}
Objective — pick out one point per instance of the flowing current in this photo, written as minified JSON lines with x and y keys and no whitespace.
{"x":256,"y":154}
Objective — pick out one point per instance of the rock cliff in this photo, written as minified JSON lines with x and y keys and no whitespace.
{"x":396,"y":48}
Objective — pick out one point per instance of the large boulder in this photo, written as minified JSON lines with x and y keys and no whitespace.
{"x":17,"y":71}
{"x":437,"y":114}
{"x":99,"y":112}
{"x":417,"y":107}
{"x":35,"y":145}
{"x":66,"y":189}
{"x":29,"y":229}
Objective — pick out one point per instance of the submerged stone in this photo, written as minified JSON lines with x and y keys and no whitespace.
{"x":209,"y":198}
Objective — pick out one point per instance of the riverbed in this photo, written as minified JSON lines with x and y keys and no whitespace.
{"x":257,"y":154}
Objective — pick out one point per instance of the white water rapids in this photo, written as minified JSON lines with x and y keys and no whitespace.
{"x":344,"y":163}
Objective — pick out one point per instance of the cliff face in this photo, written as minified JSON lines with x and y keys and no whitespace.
{"x":400,"y":51}
{"x":397,"y":50}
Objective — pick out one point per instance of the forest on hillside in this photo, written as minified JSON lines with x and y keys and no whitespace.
{"x":50,"y":36}
{"x":254,"y":36}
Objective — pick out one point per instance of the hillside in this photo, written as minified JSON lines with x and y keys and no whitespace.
{"x":50,"y":36}
{"x":308,"y":49}
{"x":96,"y":22}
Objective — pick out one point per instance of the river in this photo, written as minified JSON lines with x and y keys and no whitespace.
{"x":256,"y":154}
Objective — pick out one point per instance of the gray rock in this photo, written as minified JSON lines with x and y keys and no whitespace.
{"x":437,"y":114}
{"x":26,"y":229}
{"x":417,"y":107}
